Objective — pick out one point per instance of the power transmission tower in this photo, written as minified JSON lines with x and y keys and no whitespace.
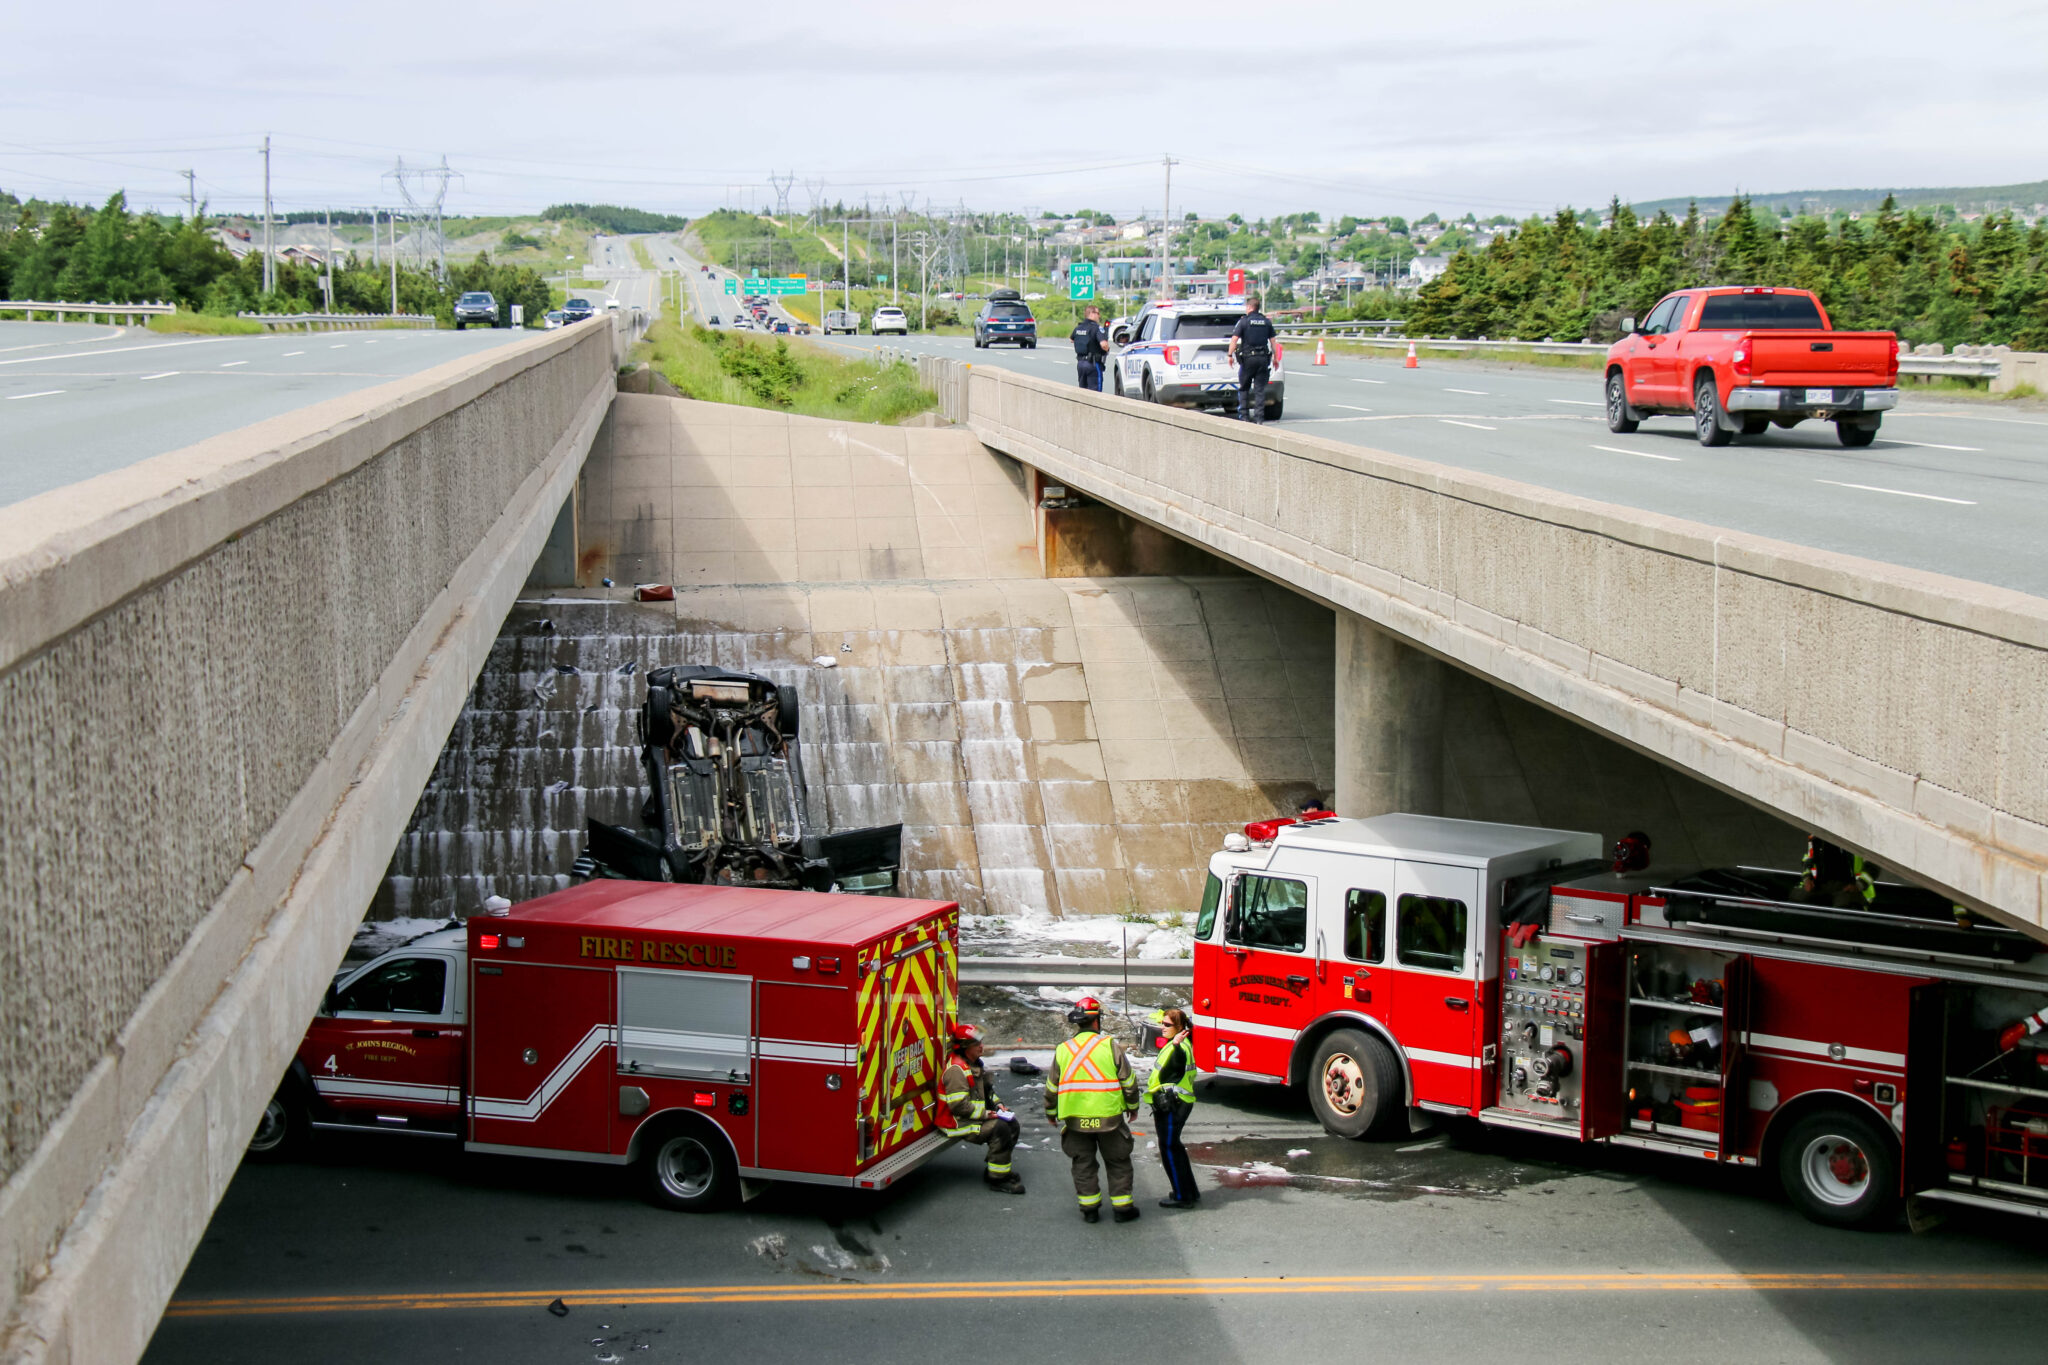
{"x":815,"y":189}
{"x":782,"y":184}
{"x":423,"y":209}
{"x":926,"y":248}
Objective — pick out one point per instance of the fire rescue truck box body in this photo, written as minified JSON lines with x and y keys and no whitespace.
{"x":790,"y":1035}
{"x":1863,"y":1049}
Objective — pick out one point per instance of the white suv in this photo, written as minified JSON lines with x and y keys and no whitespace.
{"x":1179,"y":354}
{"x":889,"y":318}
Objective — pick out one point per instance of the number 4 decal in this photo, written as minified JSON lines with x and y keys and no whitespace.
{"x":1227,"y":1052}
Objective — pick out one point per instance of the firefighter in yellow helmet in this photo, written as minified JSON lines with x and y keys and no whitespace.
{"x":973,"y":1113}
{"x":1090,"y":1095}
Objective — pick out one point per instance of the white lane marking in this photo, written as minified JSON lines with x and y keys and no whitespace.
{"x":289,"y":354}
{"x":1476,"y":393}
{"x":230,"y":364}
{"x":1972,"y":417}
{"x":1364,"y":381}
{"x":1350,"y":407}
{"x":1934,"y":445}
{"x":1577,"y":402}
{"x":369,"y":343}
{"x":165,"y":375}
{"x":1617,"y":450}
{"x":1898,"y":492}
{"x":46,"y":393}
{"x":1454,"y":422}
{"x":120,"y":350}
{"x":342,"y":347}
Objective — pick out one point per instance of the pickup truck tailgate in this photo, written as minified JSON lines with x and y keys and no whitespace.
{"x":1827,"y":358}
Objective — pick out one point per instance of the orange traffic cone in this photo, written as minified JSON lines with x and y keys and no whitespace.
{"x":1410,"y":364}
{"x":1320,"y":359}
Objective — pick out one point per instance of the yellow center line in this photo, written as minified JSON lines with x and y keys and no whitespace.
{"x":1615,"y":1282}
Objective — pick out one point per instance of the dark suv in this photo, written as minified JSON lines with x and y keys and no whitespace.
{"x":477,"y":307}
{"x":1005,"y":317}
{"x":578,"y":310}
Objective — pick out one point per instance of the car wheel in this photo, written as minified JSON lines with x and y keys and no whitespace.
{"x":1840,"y":1168}
{"x":1145,"y":389}
{"x":1853,"y":436}
{"x":787,"y":716}
{"x":688,"y":1167}
{"x":1273,"y":411}
{"x":458,"y":324}
{"x":1618,"y":420}
{"x":1706,"y":411}
{"x":1755,"y":426}
{"x":283,"y":1128}
{"x":1355,"y":1085}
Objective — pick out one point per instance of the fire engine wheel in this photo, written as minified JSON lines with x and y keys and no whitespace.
{"x":1355,"y":1085}
{"x":281,"y":1130}
{"x":689,"y":1168}
{"x":1841,"y":1168}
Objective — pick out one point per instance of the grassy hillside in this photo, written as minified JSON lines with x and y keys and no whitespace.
{"x":2025,"y":198}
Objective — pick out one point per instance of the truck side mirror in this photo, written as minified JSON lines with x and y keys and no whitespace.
{"x":1628,"y":326}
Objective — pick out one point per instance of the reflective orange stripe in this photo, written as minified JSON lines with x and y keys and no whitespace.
{"x":1084,"y":1072}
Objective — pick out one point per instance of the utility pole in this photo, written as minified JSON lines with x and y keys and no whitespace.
{"x":269,"y":256}
{"x":394,"y":260}
{"x":191,"y":196}
{"x":327,"y":281}
{"x":1166,"y":230}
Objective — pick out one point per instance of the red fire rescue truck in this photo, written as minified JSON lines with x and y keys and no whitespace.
{"x":1864,"y":1053}
{"x":709,"y":1035}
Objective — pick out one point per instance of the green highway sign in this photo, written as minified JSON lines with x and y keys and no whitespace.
{"x":754,"y":284}
{"x":1081,"y":280}
{"x":881,"y":279}
{"x":732,"y":286}
{"x":787,"y":284}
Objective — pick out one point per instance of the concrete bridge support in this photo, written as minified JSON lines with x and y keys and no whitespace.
{"x":1390,"y":723}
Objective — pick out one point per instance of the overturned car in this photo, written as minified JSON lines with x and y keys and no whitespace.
{"x":726,"y":803}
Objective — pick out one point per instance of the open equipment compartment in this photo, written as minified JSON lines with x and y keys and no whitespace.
{"x":1994,"y":1105}
{"x":1682,"y":1037}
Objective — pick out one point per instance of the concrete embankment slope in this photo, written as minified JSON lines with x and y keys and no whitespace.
{"x":224,"y":674}
{"x":1902,"y":713}
{"x":1065,"y":746}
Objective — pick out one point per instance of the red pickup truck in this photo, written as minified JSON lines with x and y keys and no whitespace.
{"x":1739,"y":359}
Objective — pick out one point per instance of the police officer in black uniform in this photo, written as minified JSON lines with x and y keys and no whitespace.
{"x":1251,"y":348}
{"x":1091,"y":348}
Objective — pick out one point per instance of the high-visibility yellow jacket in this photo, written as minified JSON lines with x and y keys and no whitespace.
{"x":1091,"y":1078}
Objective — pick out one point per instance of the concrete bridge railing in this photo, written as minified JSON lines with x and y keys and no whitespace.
{"x":1901,"y":712}
{"x":225,"y":674}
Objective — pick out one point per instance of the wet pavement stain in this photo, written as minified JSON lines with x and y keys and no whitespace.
{"x":1365,"y":1170}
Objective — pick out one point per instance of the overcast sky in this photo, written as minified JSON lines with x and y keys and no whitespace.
{"x":1270,"y":107}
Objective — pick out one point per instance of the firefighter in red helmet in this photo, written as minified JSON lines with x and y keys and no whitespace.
{"x":1090,"y":1095}
{"x":973,"y":1113}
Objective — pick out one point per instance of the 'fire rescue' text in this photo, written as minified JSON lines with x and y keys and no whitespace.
{"x":658,"y":950}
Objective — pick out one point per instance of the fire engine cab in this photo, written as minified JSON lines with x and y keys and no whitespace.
{"x":1862,"y":1048}
{"x":707,"y":1035}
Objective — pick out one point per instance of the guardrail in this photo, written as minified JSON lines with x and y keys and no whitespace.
{"x":1967,"y":366}
{"x":130,"y":311}
{"x":1076,"y":971}
{"x":345,"y":322}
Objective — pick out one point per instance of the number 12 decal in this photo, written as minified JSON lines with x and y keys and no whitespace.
{"x":1226,"y":1053}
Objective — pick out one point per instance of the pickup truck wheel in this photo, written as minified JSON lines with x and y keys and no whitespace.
{"x":1840,"y":1168}
{"x":688,"y":1167}
{"x":1706,"y":411}
{"x":1853,"y":436}
{"x":1755,"y":426}
{"x":283,"y":1128}
{"x":1618,"y":420}
{"x":1355,"y":1085}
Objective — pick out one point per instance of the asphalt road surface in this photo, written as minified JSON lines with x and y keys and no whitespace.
{"x":79,"y":400}
{"x":1472,"y":1245}
{"x":1958,"y":488}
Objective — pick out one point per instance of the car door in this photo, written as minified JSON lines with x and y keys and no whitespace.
{"x":392,"y":1050}
{"x":1434,"y":1009}
{"x":1134,"y":356}
{"x":1676,"y":356}
{"x":1266,"y":996}
{"x":1654,"y":383}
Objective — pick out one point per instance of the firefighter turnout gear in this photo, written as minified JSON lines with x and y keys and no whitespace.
{"x":1170,"y":1091}
{"x":972,"y":1112}
{"x":1091,"y":1092}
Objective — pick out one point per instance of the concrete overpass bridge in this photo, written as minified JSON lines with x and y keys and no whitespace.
{"x":1900,"y":712}
{"x":226,"y":673}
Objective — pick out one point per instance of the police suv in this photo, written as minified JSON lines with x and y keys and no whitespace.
{"x":1179,"y":354}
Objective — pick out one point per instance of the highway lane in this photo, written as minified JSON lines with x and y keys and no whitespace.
{"x":1482,"y":1243}
{"x":1957,"y":488}
{"x":77,"y":401}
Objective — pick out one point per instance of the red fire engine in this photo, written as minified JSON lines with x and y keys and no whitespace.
{"x":1865,"y":1052}
{"x":708,"y":1035}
